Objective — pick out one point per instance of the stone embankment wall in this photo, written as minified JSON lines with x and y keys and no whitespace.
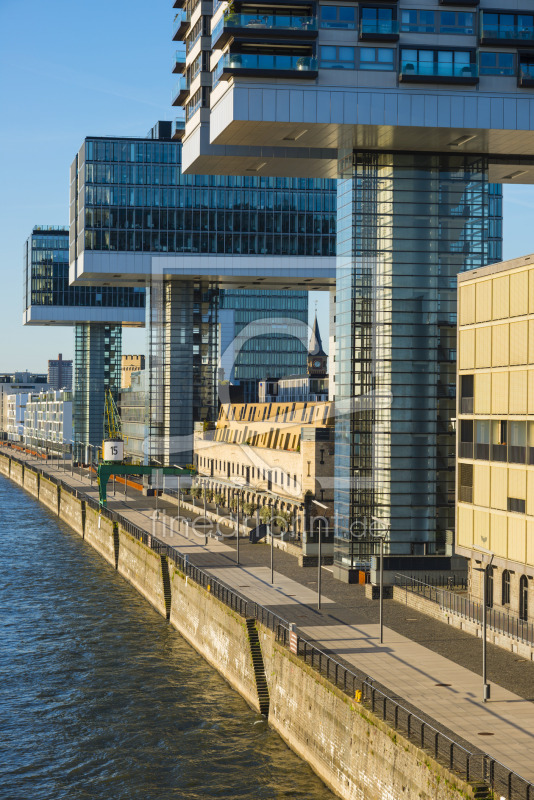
{"x":99,"y":534}
{"x":356,"y":754}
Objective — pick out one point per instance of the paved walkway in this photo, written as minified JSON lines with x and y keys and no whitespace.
{"x":346,"y":626}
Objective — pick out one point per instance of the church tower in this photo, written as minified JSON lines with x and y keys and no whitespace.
{"x":317,"y":358}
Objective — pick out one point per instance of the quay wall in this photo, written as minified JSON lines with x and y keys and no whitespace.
{"x":99,"y":534}
{"x":49,"y":494}
{"x":142,"y":567}
{"x":16,"y":472}
{"x":5,"y":464}
{"x":72,"y":511}
{"x":354,"y":752}
{"x":31,"y":481}
{"x":216,"y":632}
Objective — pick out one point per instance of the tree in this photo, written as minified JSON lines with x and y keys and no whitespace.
{"x":265,"y":514}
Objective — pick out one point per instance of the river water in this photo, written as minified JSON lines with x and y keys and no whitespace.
{"x":100,"y":698}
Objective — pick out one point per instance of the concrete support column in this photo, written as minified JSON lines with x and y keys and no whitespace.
{"x":97,"y":368}
{"x":182,"y":343}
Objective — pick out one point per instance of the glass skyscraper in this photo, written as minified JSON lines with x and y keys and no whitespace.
{"x":407,"y":225}
{"x":97,"y":314}
{"x":130,"y":198}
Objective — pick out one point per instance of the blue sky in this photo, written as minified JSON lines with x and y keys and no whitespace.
{"x":70,"y":70}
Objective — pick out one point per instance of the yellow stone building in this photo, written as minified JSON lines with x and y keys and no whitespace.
{"x":280,"y":454}
{"x":495,"y":431}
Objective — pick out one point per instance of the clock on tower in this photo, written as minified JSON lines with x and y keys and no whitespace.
{"x":317,"y":358}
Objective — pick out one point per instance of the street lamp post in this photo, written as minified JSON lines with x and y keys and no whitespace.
{"x":205,"y":514}
{"x":486,"y":687}
{"x":237,"y":540}
{"x":319,"y":554}
{"x":157,"y":462}
{"x":272,"y":546}
{"x":381,"y":537}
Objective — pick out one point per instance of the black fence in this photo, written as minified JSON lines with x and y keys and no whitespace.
{"x":463,"y":606}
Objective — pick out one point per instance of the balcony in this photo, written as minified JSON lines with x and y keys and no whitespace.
{"x":379,"y":30}
{"x":499,"y":452}
{"x":465,"y":3}
{"x":178,"y":129}
{"x":525,"y":76}
{"x":178,"y":4}
{"x":178,"y":62}
{"x":482,"y":451}
{"x":180,"y":92}
{"x":506,"y":35}
{"x":269,"y":65}
{"x":263,"y":27}
{"x":467,"y":405}
{"x":465,"y":450}
{"x":180,"y":25}
{"x":435,"y":72}
{"x":465,"y":494}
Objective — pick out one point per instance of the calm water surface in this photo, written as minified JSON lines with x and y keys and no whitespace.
{"x":100,"y":698}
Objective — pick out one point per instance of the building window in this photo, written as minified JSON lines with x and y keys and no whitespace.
{"x":511,"y":27}
{"x":322,"y":457}
{"x":505,"y":600}
{"x":523,"y":598}
{"x":515,"y":504}
{"x":309,"y":465}
{"x":338,"y":17}
{"x":517,"y":449}
{"x":439,"y":63}
{"x":378,"y":58}
{"x":466,"y":438}
{"x":465,"y":483}
{"x":457,"y":22}
{"x":417,"y":21}
{"x":482,"y":445}
{"x":333,"y":57}
{"x":497,"y":64}
{"x":467,"y":384}
{"x":377,"y":20}
{"x":499,"y":447}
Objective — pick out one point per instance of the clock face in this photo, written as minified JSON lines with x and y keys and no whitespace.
{"x":317,"y":364}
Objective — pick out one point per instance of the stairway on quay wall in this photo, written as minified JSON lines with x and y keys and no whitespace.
{"x":358,"y":755}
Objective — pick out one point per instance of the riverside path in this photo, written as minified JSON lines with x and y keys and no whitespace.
{"x":438,"y":678}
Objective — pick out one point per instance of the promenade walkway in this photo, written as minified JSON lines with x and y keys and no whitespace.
{"x":430,"y":666}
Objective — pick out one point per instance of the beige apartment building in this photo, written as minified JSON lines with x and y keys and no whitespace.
{"x":495,"y":431}
{"x":279,"y":453}
{"x":130,"y":364}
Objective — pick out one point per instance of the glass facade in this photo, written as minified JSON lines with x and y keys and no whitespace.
{"x":46,"y":284}
{"x":132,"y":197}
{"x":183,"y":351}
{"x":97,"y":368}
{"x":46,"y":277}
{"x":129,"y":195}
{"x":407,"y":224}
{"x":260,"y":355}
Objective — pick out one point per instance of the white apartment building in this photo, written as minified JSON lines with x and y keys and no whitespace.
{"x":15,"y":407}
{"x":48,"y":419}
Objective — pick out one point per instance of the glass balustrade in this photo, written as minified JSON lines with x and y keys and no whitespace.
{"x":520,"y":33}
{"x":269,"y":62}
{"x":438,"y":69}
{"x":270,"y":22}
{"x":388,"y":27}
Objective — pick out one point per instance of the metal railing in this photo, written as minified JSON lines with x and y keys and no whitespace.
{"x":449,"y":601}
{"x":473,"y":765}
